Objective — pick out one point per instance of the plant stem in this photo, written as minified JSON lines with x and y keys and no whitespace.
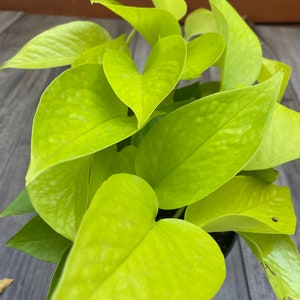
{"x":130,"y":36}
{"x":178,"y":212}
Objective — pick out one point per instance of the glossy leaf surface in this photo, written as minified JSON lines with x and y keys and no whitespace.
{"x":60,"y":195}
{"x":95,"y":55}
{"x":143,"y":92}
{"x":19,"y":206}
{"x":177,"y":8}
{"x":151,"y":23}
{"x":126,"y":253}
{"x":271,"y":67}
{"x":278,"y":148}
{"x":281,"y":261}
{"x":241,"y":62}
{"x":245,"y":204}
{"x":58,"y":46}
{"x":39,"y":240}
{"x":78,"y":114}
{"x":222,"y":133}
{"x":202,"y":53}
{"x":200,"y":21}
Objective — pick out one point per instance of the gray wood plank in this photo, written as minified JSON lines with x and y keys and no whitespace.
{"x":7,"y":18}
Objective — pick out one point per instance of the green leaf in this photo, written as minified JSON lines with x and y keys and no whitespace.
{"x":185,"y":161}
{"x":145,"y":260}
{"x":39,"y":240}
{"x":281,"y":261}
{"x":191,"y":91}
{"x":202,"y":53}
{"x":271,"y":67}
{"x":152,"y":23}
{"x":245,"y":204}
{"x":282,"y":141}
{"x":123,"y":161}
{"x":144,"y":92}
{"x":266,"y":175}
{"x":200,"y":21}
{"x":19,"y":206}
{"x":100,"y":168}
{"x":241,"y":62}
{"x":78,"y":114}
{"x":95,"y":55}
{"x":60,"y":195}
{"x":177,"y":8}
{"x":57,"y":274}
{"x":58,"y":46}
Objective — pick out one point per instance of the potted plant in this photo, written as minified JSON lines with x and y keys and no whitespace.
{"x":115,"y":150}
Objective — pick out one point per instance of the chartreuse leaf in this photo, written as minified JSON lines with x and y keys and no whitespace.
{"x":271,"y":67}
{"x":241,"y":62}
{"x":278,"y":147}
{"x":198,"y":22}
{"x":57,"y":274}
{"x":78,"y":114}
{"x":19,"y":206}
{"x":144,"y":92}
{"x":100,"y":165}
{"x":245,"y":204}
{"x":123,"y":161}
{"x":281,"y":261}
{"x":222,"y":133}
{"x":177,"y":8}
{"x":60,"y":195}
{"x":202,"y":53}
{"x":39,"y":240}
{"x":151,"y":23}
{"x":58,"y":46}
{"x":126,"y":254}
{"x":95,"y":55}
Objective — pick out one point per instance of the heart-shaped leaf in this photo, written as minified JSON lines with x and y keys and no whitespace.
{"x":151,"y":23}
{"x":177,"y":8}
{"x":278,"y":148}
{"x":78,"y":114}
{"x":185,"y":161}
{"x":281,"y":261}
{"x":58,"y":46}
{"x":271,"y":67}
{"x":126,"y":253}
{"x":144,"y":92}
{"x":241,"y":62}
{"x":202,"y":53}
{"x":245,"y":204}
{"x":39,"y":240}
{"x":200,"y":21}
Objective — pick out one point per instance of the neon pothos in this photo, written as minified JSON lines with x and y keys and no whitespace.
{"x":112,"y":145}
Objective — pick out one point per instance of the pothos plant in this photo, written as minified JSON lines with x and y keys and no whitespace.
{"x":113,"y":146}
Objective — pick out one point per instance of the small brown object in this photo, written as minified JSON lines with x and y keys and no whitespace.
{"x":5,"y":283}
{"x":274,"y":219}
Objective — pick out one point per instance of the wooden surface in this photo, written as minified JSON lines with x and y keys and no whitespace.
{"x":19,"y":95}
{"x":267,"y":11}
